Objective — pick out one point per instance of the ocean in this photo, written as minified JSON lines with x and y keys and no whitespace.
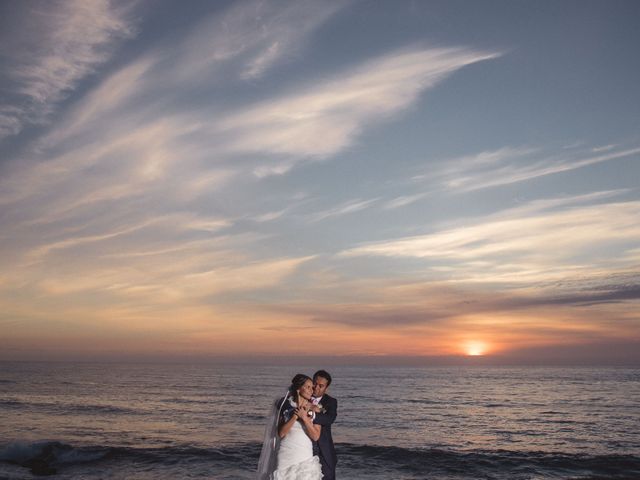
{"x":152,"y":421}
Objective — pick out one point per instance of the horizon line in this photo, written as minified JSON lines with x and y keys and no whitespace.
{"x":340,"y":360}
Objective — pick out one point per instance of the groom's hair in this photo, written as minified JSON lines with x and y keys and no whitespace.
{"x":323,"y":374}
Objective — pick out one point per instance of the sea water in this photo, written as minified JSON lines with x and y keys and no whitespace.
{"x":145,"y":421}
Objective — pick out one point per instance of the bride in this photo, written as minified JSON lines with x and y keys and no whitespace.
{"x":289,"y":454}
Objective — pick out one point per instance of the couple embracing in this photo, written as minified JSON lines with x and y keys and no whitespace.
{"x":298,"y":443}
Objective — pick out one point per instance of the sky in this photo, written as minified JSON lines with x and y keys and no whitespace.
{"x":333,"y":179}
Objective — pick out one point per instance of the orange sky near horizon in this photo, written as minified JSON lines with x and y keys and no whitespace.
{"x":239,"y":330}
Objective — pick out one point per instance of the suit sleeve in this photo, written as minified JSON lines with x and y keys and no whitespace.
{"x":327,"y":418}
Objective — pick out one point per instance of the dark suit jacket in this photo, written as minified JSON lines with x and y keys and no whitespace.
{"x":325,"y":443}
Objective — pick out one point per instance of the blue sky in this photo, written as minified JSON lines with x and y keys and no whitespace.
{"x":262,"y":177}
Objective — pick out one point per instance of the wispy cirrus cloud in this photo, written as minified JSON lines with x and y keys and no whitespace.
{"x":505,"y":166}
{"x":346,"y":208}
{"x":127,"y":116}
{"x":257,"y":35}
{"x":139,"y":152}
{"x":125,"y":260}
{"x":112,"y":157}
{"x":109,"y":99}
{"x":509,"y":165}
{"x":117,"y":166}
{"x":340,"y":108}
{"x":247,"y":38}
{"x":64,"y":42}
{"x":530,"y":243}
{"x":403,"y":200}
{"x":175,"y":222}
{"x":167,"y":201}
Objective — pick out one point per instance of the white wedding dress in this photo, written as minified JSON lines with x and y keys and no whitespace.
{"x":295,"y":457}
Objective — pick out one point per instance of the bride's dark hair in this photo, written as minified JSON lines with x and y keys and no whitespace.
{"x":297,"y":382}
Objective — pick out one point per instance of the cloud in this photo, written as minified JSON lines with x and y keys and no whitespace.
{"x":504,"y":166}
{"x":10,"y":120}
{"x":523,"y":244}
{"x":508,"y":165}
{"x":346,"y":208}
{"x":111,"y":95}
{"x":321,"y":120}
{"x":177,"y":286}
{"x":371,"y":316}
{"x":148,"y":201}
{"x":67,"y":42}
{"x":115,"y":167}
{"x":177,"y":259}
{"x":581,"y":292}
{"x":257,"y":35}
{"x":101,"y":199}
{"x":403,"y":201}
{"x":136,"y":153}
{"x":176,"y":222}
{"x":251,"y":36}
{"x":270,"y":216}
{"x":444,"y":307}
{"x":135,"y":113}
{"x":252,"y":276}
{"x":115,"y":148}
{"x":283,"y":33}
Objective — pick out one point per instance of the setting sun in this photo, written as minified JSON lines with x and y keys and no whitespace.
{"x":475,"y":348}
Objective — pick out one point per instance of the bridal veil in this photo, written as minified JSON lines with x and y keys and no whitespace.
{"x":268,"y":455}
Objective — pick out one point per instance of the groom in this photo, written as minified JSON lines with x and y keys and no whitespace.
{"x":326,"y":408}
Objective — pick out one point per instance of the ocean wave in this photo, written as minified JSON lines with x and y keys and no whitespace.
{"x":43,"y":457}
{"x":70,"y":408}
{"x":189,"y":401}
{"x":79,"y":408}
{"x":487,"y":463}
{"x":48,"y":457}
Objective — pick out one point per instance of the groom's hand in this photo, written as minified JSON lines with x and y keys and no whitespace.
{"x":302,"y":412}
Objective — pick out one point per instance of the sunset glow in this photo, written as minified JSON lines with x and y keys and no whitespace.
{"x":236,"y":183}
{"x":474,"y":349}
